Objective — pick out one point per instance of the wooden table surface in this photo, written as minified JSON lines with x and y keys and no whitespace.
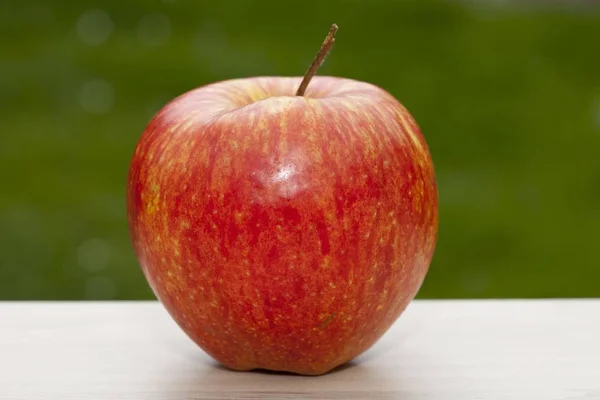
{"x":450,"y":350}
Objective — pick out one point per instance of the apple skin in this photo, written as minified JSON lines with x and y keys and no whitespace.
{"x":283,"y":232}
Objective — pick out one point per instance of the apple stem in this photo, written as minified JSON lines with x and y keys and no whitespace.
{"x":318,"y":61}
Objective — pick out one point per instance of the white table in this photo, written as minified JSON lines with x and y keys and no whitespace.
{"x":448,"y":350}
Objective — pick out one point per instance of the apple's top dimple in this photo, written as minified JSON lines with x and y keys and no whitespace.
{"x":245,"y":91}
{"x":217,"y":99}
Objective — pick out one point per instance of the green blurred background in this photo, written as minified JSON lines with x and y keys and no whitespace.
{"x":506,"y":93}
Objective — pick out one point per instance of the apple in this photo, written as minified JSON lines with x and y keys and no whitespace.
{"x":283,"y":229}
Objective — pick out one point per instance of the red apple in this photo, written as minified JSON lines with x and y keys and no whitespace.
{"x":283,"y":232}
